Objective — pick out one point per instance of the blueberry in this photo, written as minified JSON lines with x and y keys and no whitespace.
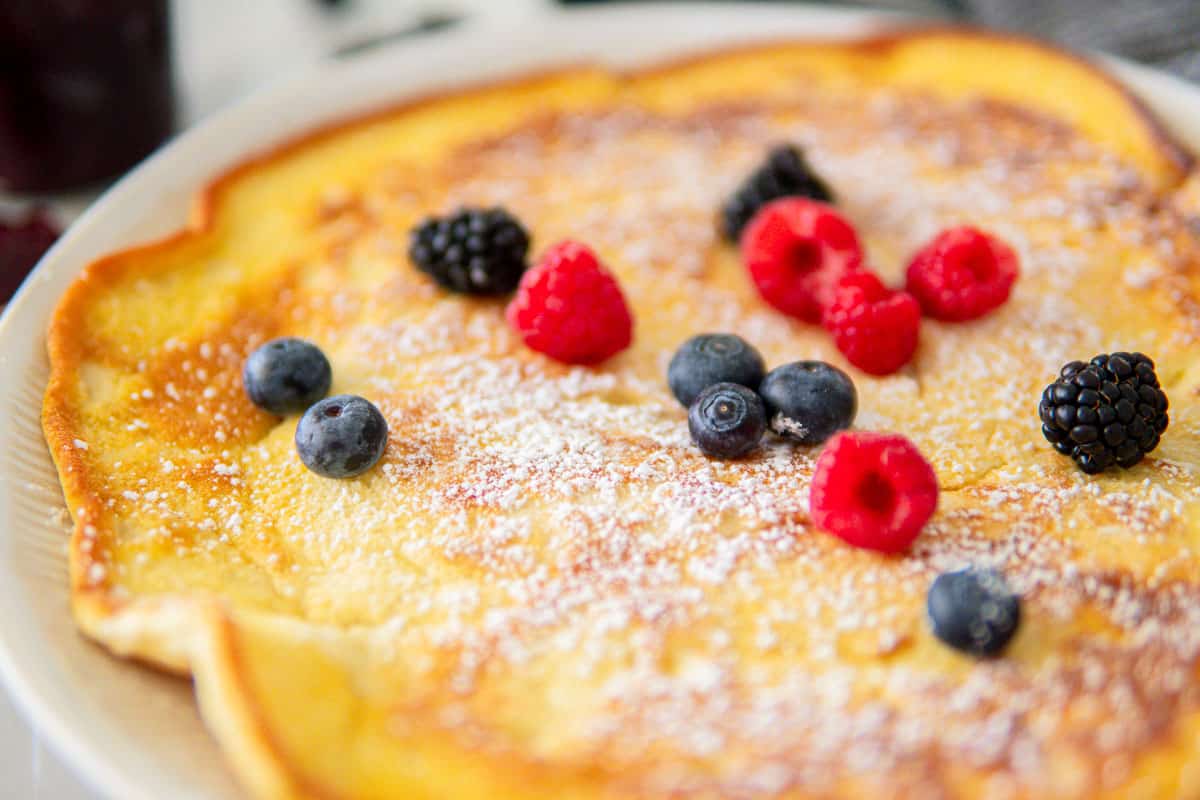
{"x":286,"y":375}
{"x":973,"y":610}
{"x":809,"y":401}
{"x":341,"y":436}
{"x":727,"y":420}
{"x":712,"y":358}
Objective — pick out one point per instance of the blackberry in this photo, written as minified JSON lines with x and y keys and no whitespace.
{"x":1108,"y":411}
{"x":474,"y":250}
{"x":785,"y":173}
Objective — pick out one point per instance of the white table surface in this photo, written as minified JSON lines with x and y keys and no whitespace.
{"x":223,"y":50}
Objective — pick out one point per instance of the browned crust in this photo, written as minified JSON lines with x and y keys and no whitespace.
{"x":254,"y":735}
{"x":897,"y":34}
{"x":65,"y":349}
{"x":92,"y":602}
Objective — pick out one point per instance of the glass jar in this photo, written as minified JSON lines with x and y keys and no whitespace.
{"x":85,"y":89}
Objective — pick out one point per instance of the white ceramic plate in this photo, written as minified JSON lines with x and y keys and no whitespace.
{"x":129,"y":732}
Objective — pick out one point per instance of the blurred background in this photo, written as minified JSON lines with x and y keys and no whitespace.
{"x":89,"y":87}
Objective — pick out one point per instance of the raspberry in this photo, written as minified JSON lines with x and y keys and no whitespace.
{"x":22,"y":243}
{"x":872,"y":490}
{"x":962,"y":274}
{"x":875,"y":327}
{"x":796,"y":250}
{"x":571,"y":308}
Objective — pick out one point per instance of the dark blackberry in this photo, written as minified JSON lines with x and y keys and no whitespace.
{"x":785,"y":173}
{"x":1108,"y":411}
{"x":473,"y":250}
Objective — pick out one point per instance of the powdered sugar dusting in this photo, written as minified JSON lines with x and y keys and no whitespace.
{"x":551,"y":531}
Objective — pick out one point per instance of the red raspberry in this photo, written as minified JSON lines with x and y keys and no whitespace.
{"x":962,"y":274}
{"x":872,"y":490}
{"x":875,"y":327}
{"x":22,"y":243}
{"x":796,"y":250}
{"x":571,"y":308}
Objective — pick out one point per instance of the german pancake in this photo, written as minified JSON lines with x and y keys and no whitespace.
{"x":543,"y":589}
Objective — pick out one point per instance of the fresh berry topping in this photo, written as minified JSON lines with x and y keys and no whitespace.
{"x":974,"y":611}
{"x":22,"y":244}
{"x":785,"y":173}
{"x":341,"y":436}
{"x":571,"y":308}
{"x":474,"y":250}
{"x":872,"y":490}
{"x":962,"y":274}
{"x":809,"y":401}
{"x":1109,"y":411}
{"x":796,"y":251}
{"x":874,"y":327}
{"x":727,"y":420}
{"x":713,"y":358}
{"x":286,"y":375}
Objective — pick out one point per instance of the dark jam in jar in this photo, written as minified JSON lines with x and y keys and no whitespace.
{"x":85,"y":89}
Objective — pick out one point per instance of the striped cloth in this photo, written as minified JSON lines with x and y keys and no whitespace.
{"x":1162,"y":33}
